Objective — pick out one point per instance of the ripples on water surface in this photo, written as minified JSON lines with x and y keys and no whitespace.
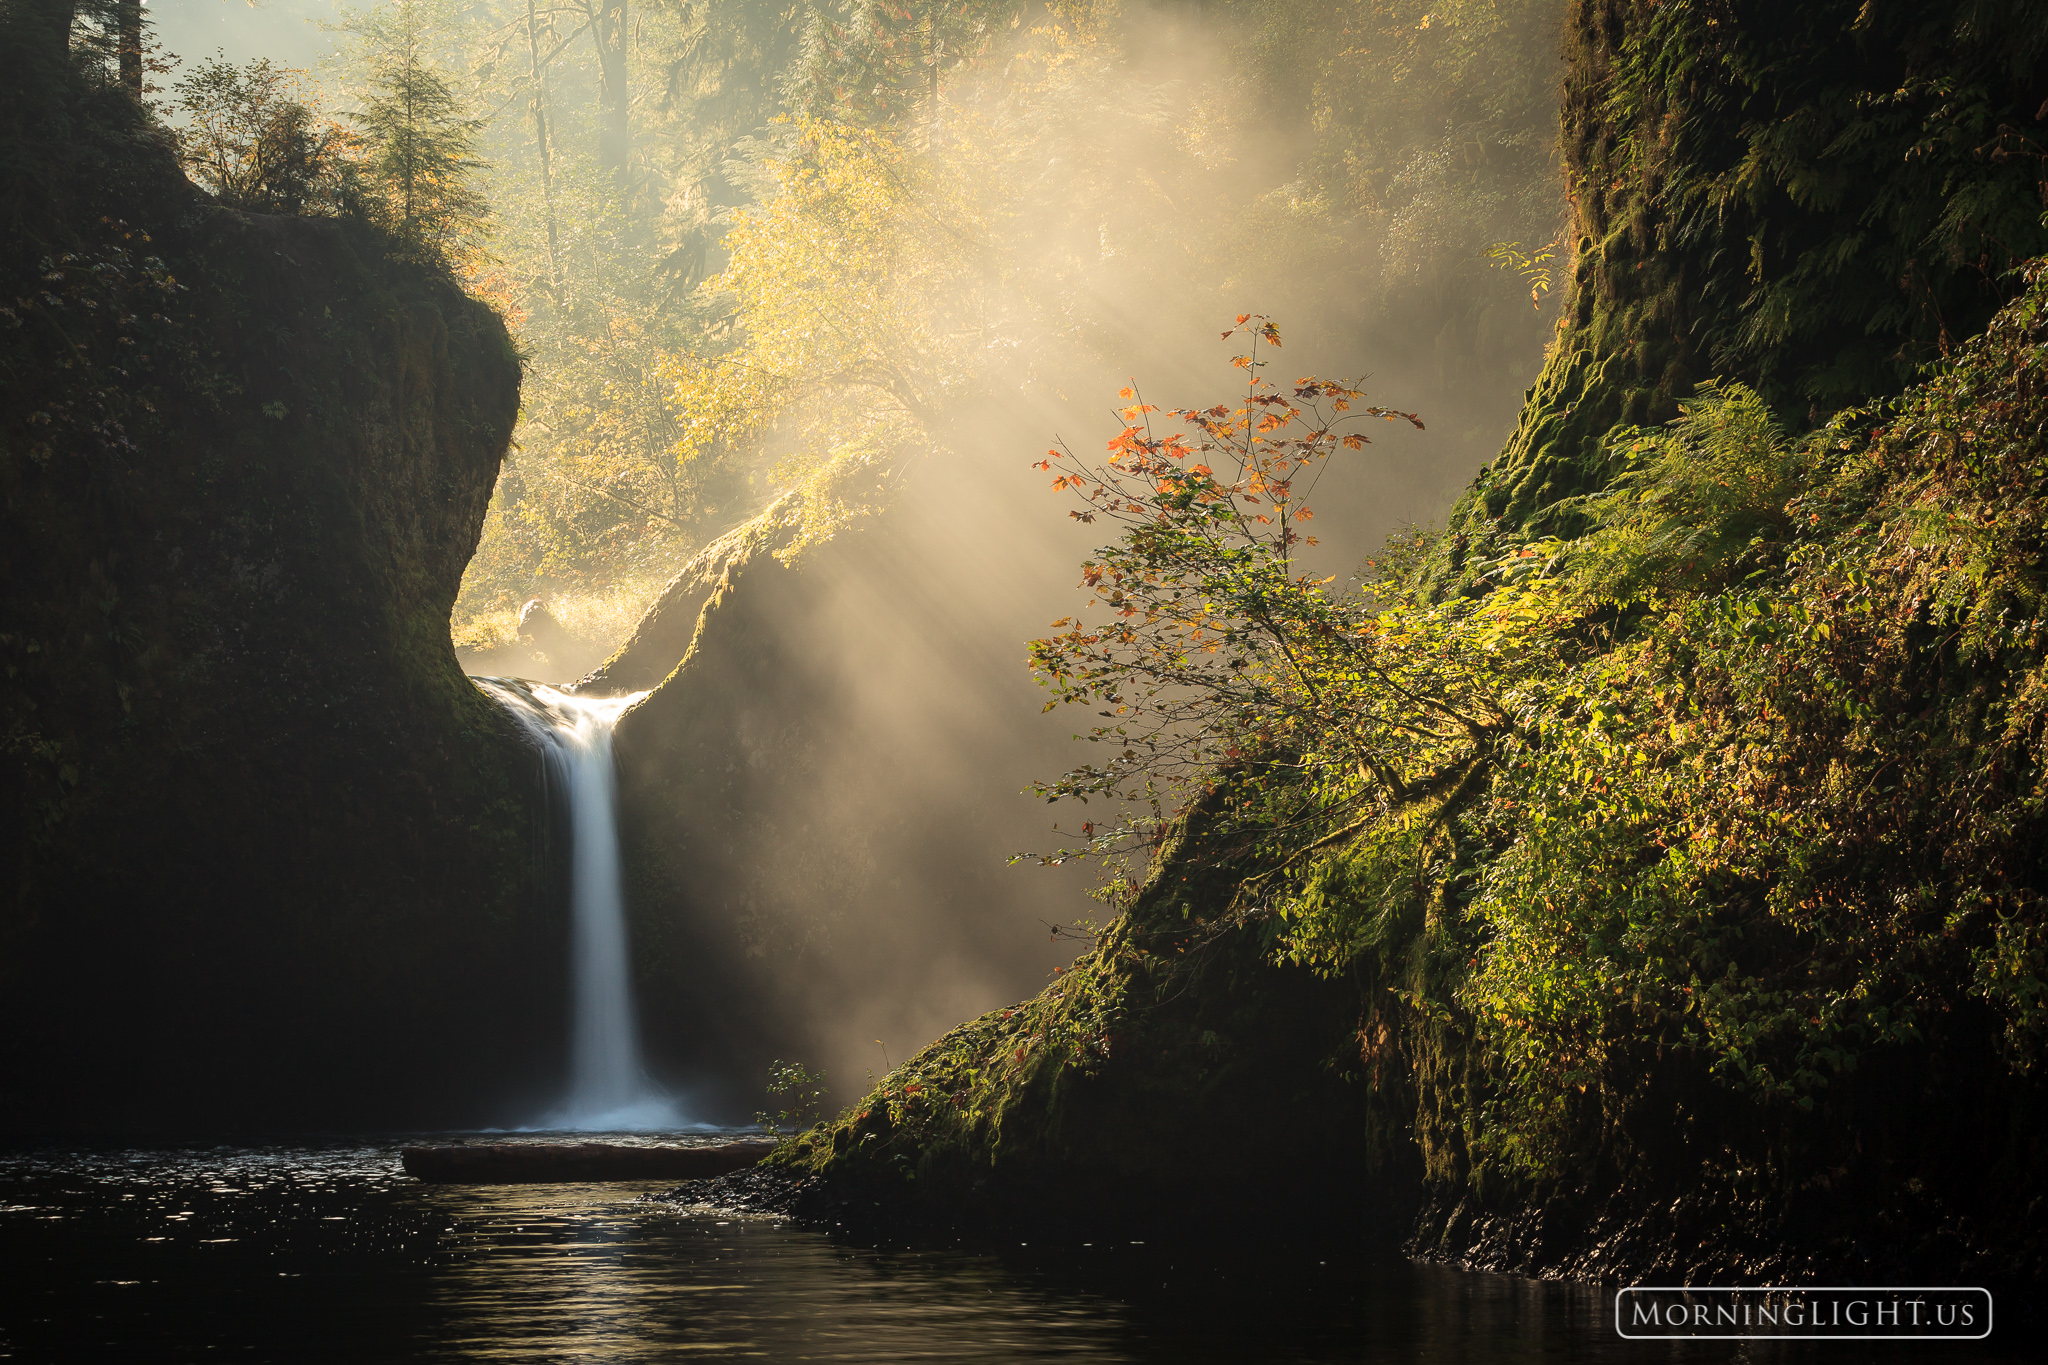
{"x":329,"y":1253}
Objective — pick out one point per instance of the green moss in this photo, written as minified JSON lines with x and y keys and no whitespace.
{"x":1813,"y":199}
{"x":1729,"y":954}
{"x":1173,"y":1061}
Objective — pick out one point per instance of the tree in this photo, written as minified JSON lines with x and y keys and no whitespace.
{"x":615,"y":100}
{"x":821,"y":296}
{"x":719,"y":82}
{"x":1217,"y":650}
{"x":537,"y":100}
{"x":877,"y":62}
{"x":42,"y":28}
{"x":858,"y":283}
{"x":47,"y":33}
{"x":255,"y":146}
{"x":419,"y":139}
{"x":128,"y":23}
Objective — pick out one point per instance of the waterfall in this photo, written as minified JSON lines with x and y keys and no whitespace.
{"x":609,"y":1089}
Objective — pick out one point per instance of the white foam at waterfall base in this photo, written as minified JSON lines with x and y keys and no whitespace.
{"x":609,"y":1089}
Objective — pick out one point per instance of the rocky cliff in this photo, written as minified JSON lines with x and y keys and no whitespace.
{"x":815,"y":811}
{"x":271,"y":858}
{"x":1823,"y":837}
{"x":1814,"y":199}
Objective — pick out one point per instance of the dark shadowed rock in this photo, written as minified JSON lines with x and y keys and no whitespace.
{"x":262,"y":836}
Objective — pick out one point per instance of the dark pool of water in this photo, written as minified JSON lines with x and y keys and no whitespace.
{"x":327,"y":1252}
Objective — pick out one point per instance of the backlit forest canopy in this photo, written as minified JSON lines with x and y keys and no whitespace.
{"x":750,"y":245}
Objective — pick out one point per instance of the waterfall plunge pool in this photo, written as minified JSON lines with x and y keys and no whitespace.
{"x":323,"y":1251}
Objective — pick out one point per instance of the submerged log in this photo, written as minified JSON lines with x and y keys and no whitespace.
{"x":533,"y":1163}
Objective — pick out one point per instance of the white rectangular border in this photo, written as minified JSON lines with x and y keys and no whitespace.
{"x":1989,"y":1309}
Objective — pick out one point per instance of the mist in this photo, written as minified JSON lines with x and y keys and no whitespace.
{"x":531,"y":526}
{"x":1084,"y":200}
{"x":860,"y":883}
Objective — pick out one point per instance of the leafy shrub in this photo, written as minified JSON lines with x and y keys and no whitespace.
{"x":1748,"y":773}
{"x":254,"y":145}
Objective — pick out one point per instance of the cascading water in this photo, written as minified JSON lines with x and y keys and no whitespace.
{"x":608,"y":1085}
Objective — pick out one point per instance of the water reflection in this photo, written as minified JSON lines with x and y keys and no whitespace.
{"x":550,"y":1272}
{"x":327,"y":1252}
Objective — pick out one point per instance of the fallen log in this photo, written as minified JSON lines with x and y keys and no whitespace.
{"x":534,"y":1163}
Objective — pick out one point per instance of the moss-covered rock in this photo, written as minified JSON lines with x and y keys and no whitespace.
{"x":716,"y":768}
{"x":1813,"y":199}
{"x":1173,"y":1074}
{"x":272,"y":858}
{"x":1817,"y":200}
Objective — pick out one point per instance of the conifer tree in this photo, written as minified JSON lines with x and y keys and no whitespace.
{"x":128,"y":28}
{"x":420,"y":139}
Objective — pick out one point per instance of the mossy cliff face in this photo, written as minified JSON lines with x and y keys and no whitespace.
{"x":1814,"y":199}
{"x":1809,"y":1038}
{"x":1862,"y":903}
{"x":1880,"y":929}
{"x":1172,"y":1077}
{"x":271,"y":856}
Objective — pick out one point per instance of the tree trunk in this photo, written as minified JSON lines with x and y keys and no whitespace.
{"x":45,"y":26}
{"x":540,"y":139}
{"x":130,"y":26}
{"x":614,"y":127}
